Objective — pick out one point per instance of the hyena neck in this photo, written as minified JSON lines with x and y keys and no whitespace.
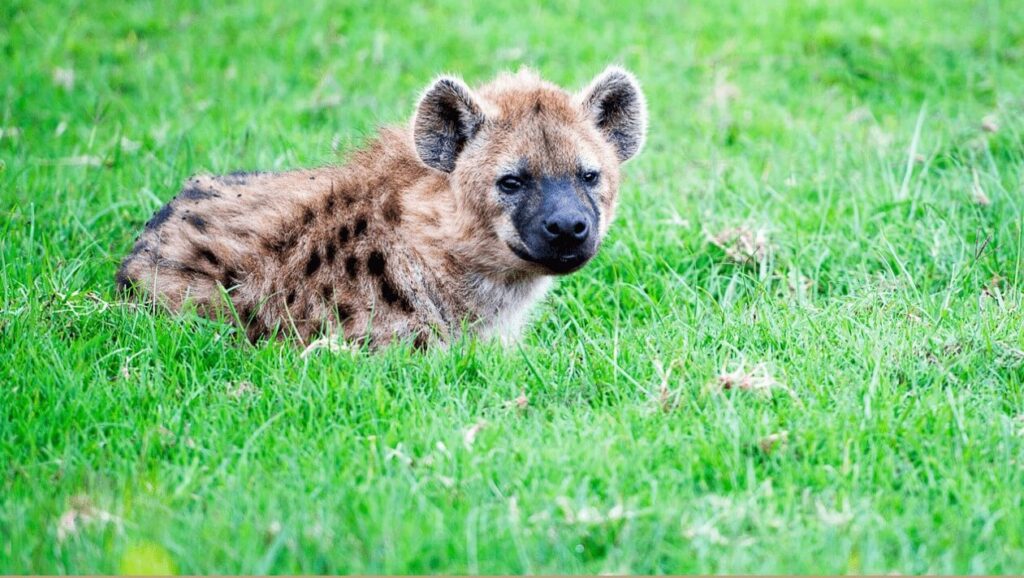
{"x":496,"y":301}
{"x":507,"y":305}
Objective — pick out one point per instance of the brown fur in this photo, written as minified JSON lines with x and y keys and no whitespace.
{"x":385,"y":246}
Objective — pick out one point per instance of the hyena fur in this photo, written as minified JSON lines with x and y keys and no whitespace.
{"x":457,"y":222}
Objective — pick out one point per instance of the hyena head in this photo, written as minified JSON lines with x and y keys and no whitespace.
{"x":535,"y":168}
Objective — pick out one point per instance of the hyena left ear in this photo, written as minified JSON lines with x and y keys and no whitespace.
{"x":447,"y":117}
{"x":617,"y":106}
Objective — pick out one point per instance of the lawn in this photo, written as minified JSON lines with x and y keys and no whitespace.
{"x":841,"y":389}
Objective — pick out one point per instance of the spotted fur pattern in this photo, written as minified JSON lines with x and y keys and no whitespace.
{"x":407,"y":240}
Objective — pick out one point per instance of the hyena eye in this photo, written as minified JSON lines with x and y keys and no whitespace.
{"x":510,"y":184}
{"x":590,"y":177}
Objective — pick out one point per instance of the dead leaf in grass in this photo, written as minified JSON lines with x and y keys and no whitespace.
{"x":591,"y":516}
{"x":834,"y":517}
{"x":64,"y":77}
{"x":332,"y":342}
{"x":705,"y":532}
{"x":880,"y":138}
{"x":772,"y":442}
{"x":520,"y":403}
{"x":722,"y":92}
{"x":397,"y":453}
{"x":859,"y":115}
{"x":129,"y":146}
{"x":168,"y":438}
{"x":11,"y":132}
{"x":241,"y":389}
{"x":82,"y":161}
{"x":675,"y":220}
{"x":799,"y":284}
{"x":744,"y":245}
{"x":1009,"y":356}
{"x":978,"y":194}
{"x":667,"y":398}
{"x":469,"y":435}
{"x":273,"y":529}
{"x":756,"y":378}
{"x":993,"y":291}
{"x":81,"y":513}
{"x":990,"y":123}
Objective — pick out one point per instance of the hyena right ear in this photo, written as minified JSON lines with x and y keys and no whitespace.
{"x":616,"y":104}
{"x":447,"y":116}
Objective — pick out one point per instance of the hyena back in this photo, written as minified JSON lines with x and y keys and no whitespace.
{"x":457,"y":222}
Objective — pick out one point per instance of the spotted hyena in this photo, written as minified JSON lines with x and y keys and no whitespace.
{"x":455,"y":223}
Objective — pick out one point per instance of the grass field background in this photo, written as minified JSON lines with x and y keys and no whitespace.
{"x":872,"y":149}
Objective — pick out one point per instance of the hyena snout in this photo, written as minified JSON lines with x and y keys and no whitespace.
{"x":566,"y":229}
{"x":561,"y":235}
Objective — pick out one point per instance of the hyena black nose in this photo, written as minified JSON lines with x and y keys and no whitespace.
{"x":567,"y":227}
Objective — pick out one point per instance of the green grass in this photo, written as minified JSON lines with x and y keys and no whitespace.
{"x":890,"y":308}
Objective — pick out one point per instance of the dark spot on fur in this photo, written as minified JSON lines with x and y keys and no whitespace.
{"x":307,"y":216}
{"x":326,"y":292}
{"x":140,"y":247}
{"x":247,"y":318}
{"x":313,"y":264}
{"x":352,"y":267}
{"x":344,"y":311}
{"x":388,"y":291}
{"x":538,"y":107}
{"x":208,"y":255}
{"x":160,"y":217}
{"x":196,"y":221}
{"x":312,"y":178}
{"x":392,"y":209}
{"x":125,"y":284}
{"x":329,"y":204}
{"x":194,"y":193}
{"x":281,"y":244}
{"x":347,"y":199}
{"x":421,"y":341}
{"x":244,"y":313}
{"x":330,"y":252}
{"x":290,"y":298}
{"x":343,"y":235}
{"x":392,"y":296}
{"x":255,"y":329}
{"x":360,"y":227}
{"x":452,"y":266}
{"x":230,"y":278}
{"x":184,"y":269}
{"x":375,"y":263}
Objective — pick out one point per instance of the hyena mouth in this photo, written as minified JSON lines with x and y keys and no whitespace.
{"x":556,"y":264}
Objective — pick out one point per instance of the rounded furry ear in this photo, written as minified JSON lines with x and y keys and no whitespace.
{"x":447,"y":117}
{"x":617,"y":106}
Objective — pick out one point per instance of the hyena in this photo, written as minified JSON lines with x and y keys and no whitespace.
{"x":456,"y":223}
